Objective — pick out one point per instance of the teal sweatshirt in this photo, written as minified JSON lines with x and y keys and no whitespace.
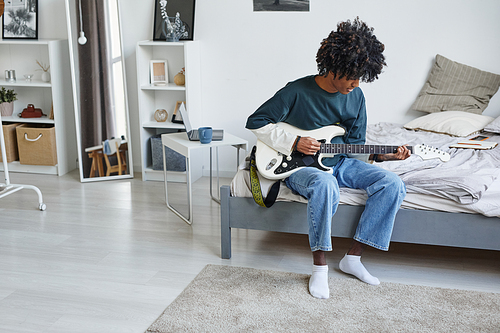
{"x":303,"y":104}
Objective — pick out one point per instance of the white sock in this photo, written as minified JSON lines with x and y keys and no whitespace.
{"x":351,"y":264}
{"x":318,"y":283}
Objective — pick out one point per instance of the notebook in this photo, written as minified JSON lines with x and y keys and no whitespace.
{"x":470,"y":144}
{"x":217,"y":134}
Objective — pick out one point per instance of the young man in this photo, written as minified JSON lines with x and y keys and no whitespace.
{"x":347,"y":56}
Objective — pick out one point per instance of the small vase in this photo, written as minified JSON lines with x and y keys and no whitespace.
{"x":7,"y":109}
{"x":179,"y":79}
{"x":46,"y":77}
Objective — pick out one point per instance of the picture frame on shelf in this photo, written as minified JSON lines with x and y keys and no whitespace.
{"x":186,"y":10}
{"x":176,"y":116}
{"x":159,"y":72}
{"x":20,"y":20}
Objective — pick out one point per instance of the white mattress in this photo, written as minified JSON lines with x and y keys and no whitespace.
{"x":488,"y":205}
{"x":476,"y":188}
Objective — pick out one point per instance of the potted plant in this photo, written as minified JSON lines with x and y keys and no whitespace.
{"x":7,"y":98}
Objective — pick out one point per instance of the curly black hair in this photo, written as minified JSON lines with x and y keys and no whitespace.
{"x":353,"y":51}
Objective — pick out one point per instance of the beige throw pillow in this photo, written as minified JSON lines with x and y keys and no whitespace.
{"x":452,"y":86}
{"x":455,"y":123}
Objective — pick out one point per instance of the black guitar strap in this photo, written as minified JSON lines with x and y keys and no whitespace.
{"x":256,"y":190}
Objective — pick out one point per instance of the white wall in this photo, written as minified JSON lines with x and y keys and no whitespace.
{"x":246,"y":56}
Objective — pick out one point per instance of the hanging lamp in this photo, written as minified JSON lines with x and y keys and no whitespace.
{"x":82,"y":39}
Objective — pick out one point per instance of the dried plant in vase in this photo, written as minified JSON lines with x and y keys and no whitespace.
{"x":45,"y":69}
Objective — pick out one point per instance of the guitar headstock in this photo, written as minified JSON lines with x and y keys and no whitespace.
{"x":428,"y":152}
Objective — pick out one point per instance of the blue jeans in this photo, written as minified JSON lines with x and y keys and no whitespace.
{"x":385,"y":192}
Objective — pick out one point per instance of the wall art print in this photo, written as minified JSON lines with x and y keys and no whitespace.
{"x":281,"y":5}
{"x":170,"y":8}
{"x":20,"y":19}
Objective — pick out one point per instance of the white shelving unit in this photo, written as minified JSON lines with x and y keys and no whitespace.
{"x":22,"y":56}
{"x":151,"y":97}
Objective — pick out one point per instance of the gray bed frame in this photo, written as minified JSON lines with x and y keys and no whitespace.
{"x":411,"y":226}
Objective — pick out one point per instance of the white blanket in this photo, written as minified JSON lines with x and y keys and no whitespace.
{"x":463,"y":179}
{"x":455,"y":186}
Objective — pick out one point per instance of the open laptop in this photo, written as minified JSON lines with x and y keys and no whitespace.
{"x":217,"y":134}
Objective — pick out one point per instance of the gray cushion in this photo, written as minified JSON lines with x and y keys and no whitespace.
{"x":452,"y":86}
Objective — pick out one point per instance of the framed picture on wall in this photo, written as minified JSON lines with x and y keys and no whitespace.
{"x":159,"y":72}
{"x":281,"y":6}
{"x":20,"y":19}
{"x":177,"y":117}
{"x":169,"y":9}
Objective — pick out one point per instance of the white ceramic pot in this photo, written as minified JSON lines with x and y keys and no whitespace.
{"x":46,"y":77}
{"x":7,"y":109}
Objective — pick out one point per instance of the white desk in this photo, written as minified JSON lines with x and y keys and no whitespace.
{"x":181,"y":144}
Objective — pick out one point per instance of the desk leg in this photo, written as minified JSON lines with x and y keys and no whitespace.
{"x":99,"y":164}
{"x":237,"y":158}
{"x":216,"y":199}
{"x":217,"y":166}
{"x":189,"y":218}
{"x":93,"y":167}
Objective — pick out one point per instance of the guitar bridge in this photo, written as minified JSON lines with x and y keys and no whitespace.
{"x":271,"y":164}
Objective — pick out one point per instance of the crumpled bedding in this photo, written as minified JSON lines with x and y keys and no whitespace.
{"x":463,"y":179}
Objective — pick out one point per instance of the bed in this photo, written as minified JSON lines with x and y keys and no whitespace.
{"x":466,"y":215}
{"x":449,"y":204}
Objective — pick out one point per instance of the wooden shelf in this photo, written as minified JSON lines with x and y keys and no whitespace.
{"x":166,"y":125}
{"x":168,"y":86}
{"x":40,"y":41}
{"x":15,"y":166}
{"x":17,"y":119}
{"x":21,"y":82}
{"x":178,"y":55}
{"x":22,"y":56}
{"x":160,"y":43}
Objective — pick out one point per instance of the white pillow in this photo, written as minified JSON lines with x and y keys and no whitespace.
{"x":494,"y":126}
{"x":455,"y":123}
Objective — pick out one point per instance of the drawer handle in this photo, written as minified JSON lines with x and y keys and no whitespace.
{"x":32,"y":140}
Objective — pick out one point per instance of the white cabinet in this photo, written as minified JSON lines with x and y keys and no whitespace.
{"x":55,"y":95}
{"x":152,"y":97}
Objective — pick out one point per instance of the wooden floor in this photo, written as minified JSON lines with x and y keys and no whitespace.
{"x":110,"y":256}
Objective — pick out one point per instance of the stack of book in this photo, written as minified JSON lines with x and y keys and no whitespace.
{"x":471,"y":144}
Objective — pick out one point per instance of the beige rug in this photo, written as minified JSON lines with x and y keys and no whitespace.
{"x":235,"y":299}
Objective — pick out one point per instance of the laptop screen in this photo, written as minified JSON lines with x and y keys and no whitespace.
{"x":185,"y":119}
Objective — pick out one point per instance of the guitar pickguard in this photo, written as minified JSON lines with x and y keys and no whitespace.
{"x":299,"y":160}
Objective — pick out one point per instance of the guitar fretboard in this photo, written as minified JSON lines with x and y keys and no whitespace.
{"x":342,"y":148}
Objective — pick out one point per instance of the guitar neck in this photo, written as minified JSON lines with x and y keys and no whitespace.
{"x":341,"y":148}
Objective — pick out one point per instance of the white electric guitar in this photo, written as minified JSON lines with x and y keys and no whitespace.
{"x":274,"y":165}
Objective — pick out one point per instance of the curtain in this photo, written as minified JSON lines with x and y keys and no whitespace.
{"x":97,"y":121}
